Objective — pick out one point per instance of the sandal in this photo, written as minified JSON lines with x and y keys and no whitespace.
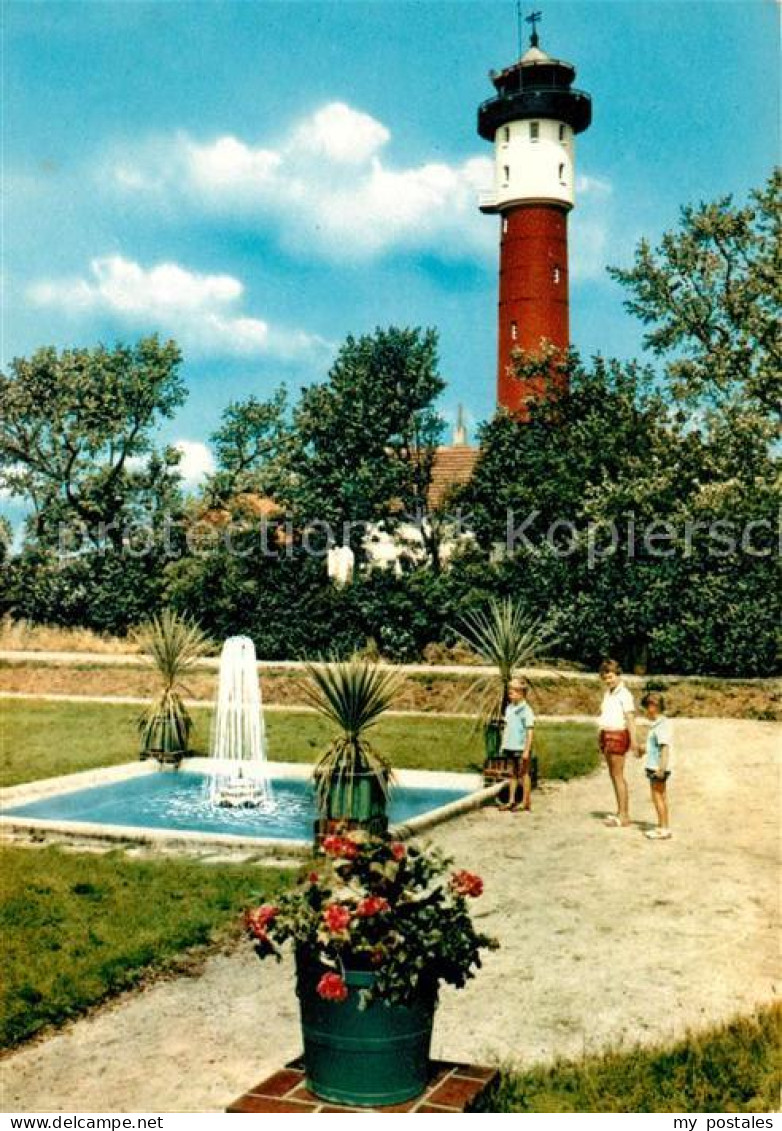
{"x":658,"y":834}
{"x":612,"y":822}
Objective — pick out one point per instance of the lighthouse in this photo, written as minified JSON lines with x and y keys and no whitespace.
{"x":532,"y":122}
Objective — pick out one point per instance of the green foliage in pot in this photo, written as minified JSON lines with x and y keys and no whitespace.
{"x":506,"y":638}
{"x":386,"y":907}
{"x":353,"y":695}
{"x":174,"y":643}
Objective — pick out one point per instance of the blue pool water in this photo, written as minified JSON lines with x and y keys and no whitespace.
{"x":180,"y":801}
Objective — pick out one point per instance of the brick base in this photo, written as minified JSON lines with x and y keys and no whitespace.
{"x":451,"y":1088}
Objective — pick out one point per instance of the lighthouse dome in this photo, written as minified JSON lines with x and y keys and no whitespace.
{"x":535,"y":55}
{"x":537,"y":86}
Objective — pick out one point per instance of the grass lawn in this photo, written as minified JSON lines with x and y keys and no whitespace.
{"x":76,"y":929}
{"x":42,"y":739}
{"x":737,"y":1067}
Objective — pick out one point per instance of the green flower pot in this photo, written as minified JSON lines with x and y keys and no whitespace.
{"x":363,"y":1057}
{"x":165,"y":741}
{"x":492,"y":739}
{"x":356,"y":803}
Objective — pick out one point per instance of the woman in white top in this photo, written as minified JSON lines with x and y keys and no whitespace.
{"x":617,"y":736}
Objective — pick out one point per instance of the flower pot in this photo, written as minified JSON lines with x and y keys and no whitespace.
{"x":363,"y":1057}
{"x":165,"y":741}
{"x":354,"y":802}
{"x":492,"y":739}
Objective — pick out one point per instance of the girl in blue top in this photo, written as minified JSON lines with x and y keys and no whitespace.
{"x":517,"y":744}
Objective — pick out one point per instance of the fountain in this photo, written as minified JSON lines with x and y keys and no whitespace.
{"x":238,"y":770}
{"x":217,"y":800}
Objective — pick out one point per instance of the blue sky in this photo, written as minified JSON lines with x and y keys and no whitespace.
{"x":259,"y":179}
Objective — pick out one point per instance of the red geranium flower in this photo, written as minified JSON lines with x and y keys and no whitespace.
{"x":372,"y":905}
{"x":467,"y":883}
{"x":259,"y":919}
{"x":313,"y":877}
{"x":398,"y":850}
{"x":332,"y":988}
{"x":340,"y":846}
{"x":336,"y":917}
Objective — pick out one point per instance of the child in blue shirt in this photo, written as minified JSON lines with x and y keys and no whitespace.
{"x":517,"y":744}
{"x":659,"y":760}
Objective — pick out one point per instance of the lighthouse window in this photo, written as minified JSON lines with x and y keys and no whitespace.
{"x":504,"y":224}
{"x":514,"y":331}
{"x":506,"y":173}
{"x":506,"y":133}
{"x":562,"y":174}
{"x":557,"y":275}
{"x":534,"y":131}
{"x":561,"y":133}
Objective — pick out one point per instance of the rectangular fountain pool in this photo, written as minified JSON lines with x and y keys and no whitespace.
{"x":179,"y":802}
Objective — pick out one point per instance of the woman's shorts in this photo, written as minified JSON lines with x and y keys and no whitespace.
{"x":652,"y":775}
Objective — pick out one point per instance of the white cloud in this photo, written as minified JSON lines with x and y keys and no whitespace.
{"x":196,"y":463}
{"x":590,"y":228}
{"x":595,"y":186}
{"x":340,"y":134}
{"x":326,"y":186}
{"x":199,"y":310}
{"x":228,"y":164}
{"x":330,"y":190}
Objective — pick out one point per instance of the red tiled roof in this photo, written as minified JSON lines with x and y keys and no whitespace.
{"x":453,"y":465}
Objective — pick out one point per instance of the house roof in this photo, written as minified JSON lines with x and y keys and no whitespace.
{"x":453,"y":465}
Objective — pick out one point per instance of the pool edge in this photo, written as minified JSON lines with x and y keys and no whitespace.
{"x":125,"y":835}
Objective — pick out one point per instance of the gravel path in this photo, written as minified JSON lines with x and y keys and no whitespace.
{"x":606,"y":938}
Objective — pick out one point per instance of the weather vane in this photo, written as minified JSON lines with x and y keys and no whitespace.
{"x":534,"y":19}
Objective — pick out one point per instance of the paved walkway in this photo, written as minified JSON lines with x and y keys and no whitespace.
{"x":606,"y":937}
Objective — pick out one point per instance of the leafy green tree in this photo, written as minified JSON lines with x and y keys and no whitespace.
{"x":6,"y":539}
{"x":710,"y":293}
{"x":626,"y":522}
{"x":252,"y":436}
{"x":532,"y":474}
{"x":75,"y":427}
{"x":105,"y":591}
{"x":363,"y":441}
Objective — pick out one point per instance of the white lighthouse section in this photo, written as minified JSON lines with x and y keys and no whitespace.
{"x":534,"y":162}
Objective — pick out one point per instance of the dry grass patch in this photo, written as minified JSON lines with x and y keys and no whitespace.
{"x":24,"y":636}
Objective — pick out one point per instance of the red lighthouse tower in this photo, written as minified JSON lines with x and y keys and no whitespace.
{"x":532,"y":121}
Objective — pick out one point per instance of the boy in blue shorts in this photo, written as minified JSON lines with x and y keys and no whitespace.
{"x":659,"y":760}
{"x":517,"y":744}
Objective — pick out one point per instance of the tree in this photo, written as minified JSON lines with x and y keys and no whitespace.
{"x":710,"y":294}
{"x":629,"y":524}
{"x":252,"y":435}
{"x":363,"y":441}
{"x":75,"y":427}
{"x":543,"y":468}
{"x":6,"y":539}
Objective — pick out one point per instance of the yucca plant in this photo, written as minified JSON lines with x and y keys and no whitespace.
{"x":174,"y":643}
{"x":352,"y":695}
{"x":506,"y":638}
